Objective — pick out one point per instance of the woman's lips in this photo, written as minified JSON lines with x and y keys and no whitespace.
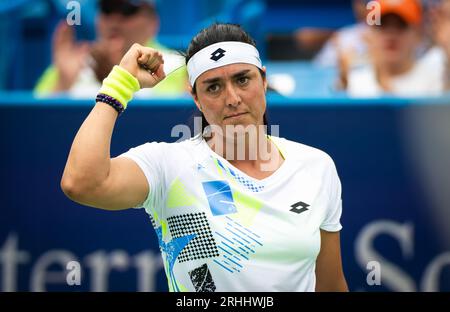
{"x":235,"y":115}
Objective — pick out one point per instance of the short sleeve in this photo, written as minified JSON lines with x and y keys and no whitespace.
{"x":331,"y":222}
{"x":150,"y":158}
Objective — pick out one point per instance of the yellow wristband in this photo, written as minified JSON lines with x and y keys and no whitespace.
{"x":121,"y":85}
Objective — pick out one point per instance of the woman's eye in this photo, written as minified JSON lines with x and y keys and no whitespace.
{"x":213,"y":88}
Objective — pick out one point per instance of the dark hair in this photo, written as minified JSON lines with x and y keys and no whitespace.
{"x":218,"y":33}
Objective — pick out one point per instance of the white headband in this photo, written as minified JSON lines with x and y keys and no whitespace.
{"x":221,"y":54}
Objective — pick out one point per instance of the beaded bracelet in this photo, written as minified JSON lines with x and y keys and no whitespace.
{"x":110,"y":101}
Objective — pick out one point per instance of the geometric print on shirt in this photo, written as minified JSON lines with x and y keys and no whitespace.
{"x":179,"y":196}
{"x":223,"y":199}
{"x":202,"y":245}
{"x":243,"y":181}
{"x":202,"y":280}
{"x":152,"y":220}
{"x":237,"y":245}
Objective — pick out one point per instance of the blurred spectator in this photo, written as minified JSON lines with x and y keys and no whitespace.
{"x":350,"y":38}
{"x":394,"y":67}
{"x":440,"y":26}
{"x":78,"y":68}
{"x":309,"y":41}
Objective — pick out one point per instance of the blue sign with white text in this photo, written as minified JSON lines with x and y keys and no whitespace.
{"x":392,"y":160}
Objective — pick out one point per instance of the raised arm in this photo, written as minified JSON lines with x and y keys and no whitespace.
{"x":91,"y":177}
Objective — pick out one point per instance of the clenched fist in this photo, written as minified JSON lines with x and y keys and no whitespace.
{"x":146,"y":64}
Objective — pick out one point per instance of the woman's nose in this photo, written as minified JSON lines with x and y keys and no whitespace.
{"x":232,"y":96}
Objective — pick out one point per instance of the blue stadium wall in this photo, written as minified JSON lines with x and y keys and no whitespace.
{"x":395,"y":203}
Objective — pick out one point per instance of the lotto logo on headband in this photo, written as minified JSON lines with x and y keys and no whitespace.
{"x":221,"y":53}
{"x":218,"y":54}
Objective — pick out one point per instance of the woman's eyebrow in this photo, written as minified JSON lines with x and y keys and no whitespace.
{"x":211,"y":80}
{"x":241,"y":73}
{"x":217,"y":79}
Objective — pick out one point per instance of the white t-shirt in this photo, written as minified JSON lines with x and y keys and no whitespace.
{"x":426,"y":78}
{"x":221,"y":230}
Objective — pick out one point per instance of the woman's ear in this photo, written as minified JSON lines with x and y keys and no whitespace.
{"x":264,"y":70}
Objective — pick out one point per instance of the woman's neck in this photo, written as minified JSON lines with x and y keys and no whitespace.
{"x":250,"y":153}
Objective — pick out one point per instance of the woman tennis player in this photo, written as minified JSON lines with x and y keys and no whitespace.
{"x":234,"y":209}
